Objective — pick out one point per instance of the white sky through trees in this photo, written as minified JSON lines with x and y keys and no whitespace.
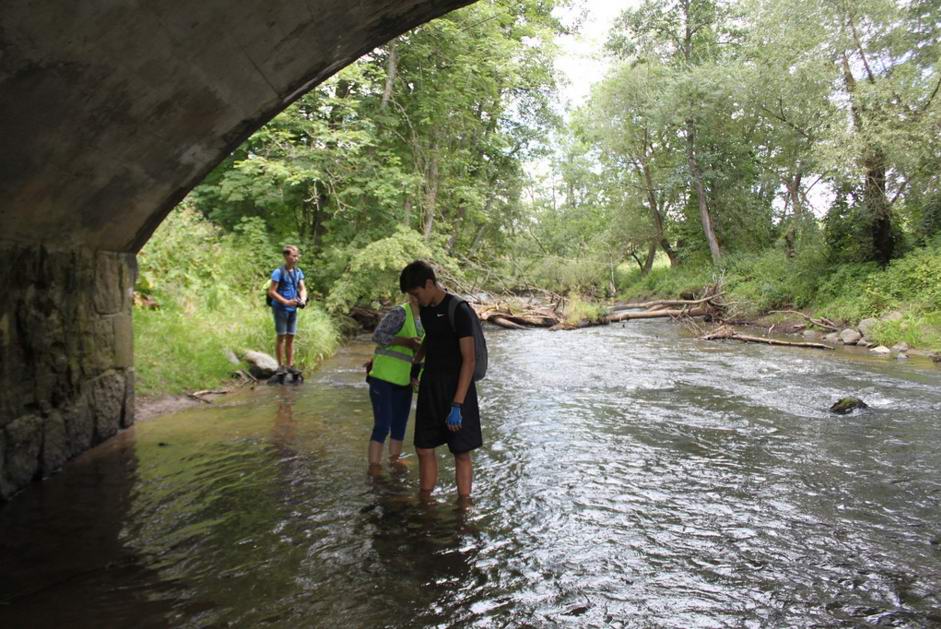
{"x":581,"y":62}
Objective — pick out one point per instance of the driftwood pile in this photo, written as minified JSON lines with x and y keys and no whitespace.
{"x":519,"y":318}
{"x":548,"y":310}
{"x":522,"y":316}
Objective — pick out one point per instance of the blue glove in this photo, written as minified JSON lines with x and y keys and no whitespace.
{"x":454,"y":417}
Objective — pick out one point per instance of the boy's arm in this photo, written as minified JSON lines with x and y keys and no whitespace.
{"x":275,"y":295}
{"x":468,"y":363}
{"x":420,"y":352}
{"x":303,"y":291}
{"x":391,"y":324}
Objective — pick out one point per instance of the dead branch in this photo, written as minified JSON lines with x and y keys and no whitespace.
{"x":628,"y":315}
{"x":666,"y":302}
{"x":727,"y":334}
{"x":823,"y":322}
{"x":503,"y":322}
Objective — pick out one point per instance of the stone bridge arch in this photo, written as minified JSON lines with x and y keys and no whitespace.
{"x":110,"y":112}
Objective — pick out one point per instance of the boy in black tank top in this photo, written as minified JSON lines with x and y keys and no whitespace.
{"x":447,"y":411}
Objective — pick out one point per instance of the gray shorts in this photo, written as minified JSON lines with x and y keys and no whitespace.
{"x":285,"y":322}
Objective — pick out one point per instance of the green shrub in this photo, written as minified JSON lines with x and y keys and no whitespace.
{"x":588,"y":275}
{"x":372,"y":275}
{"x":918,"y":330}
{"x":578,"y":310}
{"x":663,"y":281}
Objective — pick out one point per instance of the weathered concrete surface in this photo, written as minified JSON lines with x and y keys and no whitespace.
{"x":111,"y":110}
{"x":66,"y":359}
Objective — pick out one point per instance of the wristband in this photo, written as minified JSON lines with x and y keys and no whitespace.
{"x":456,"y":405}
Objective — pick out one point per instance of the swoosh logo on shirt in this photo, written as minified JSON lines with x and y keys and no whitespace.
{"x":440,"y":315}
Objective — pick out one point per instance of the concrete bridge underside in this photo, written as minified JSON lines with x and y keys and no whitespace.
{"x":110,"y":112}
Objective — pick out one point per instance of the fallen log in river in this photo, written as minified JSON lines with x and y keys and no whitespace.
{"x":627,"y":315}
{"x":725,"y":333}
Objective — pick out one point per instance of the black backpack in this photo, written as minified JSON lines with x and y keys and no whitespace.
{"x":268,"y":300}
{"x":480,"y":343}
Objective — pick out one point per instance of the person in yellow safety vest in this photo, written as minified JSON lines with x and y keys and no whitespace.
{"x":391,"y":379}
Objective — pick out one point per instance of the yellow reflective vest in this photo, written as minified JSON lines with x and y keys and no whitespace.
{"x":393,"y":363}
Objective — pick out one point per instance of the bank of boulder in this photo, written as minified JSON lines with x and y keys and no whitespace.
{"x":860,"y":336}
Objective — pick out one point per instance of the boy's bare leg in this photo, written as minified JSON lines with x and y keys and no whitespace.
{"x":427,"y":469}
{"x":464,"y":474}
{"x":279,"y":349}
{"x":289,"y":350}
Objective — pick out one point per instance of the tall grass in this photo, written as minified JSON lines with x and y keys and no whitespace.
{"x":210,"y":288}
{"x":177,"y":351}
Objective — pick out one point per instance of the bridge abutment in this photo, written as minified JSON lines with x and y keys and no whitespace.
{"x":66,"y":356}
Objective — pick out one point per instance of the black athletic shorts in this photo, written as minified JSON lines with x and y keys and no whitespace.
{"x":435,"y":395}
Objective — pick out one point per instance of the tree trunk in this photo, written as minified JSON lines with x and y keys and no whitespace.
{"x":875,"y":201}
{"x":456,"y":229}
{"x":392,"y":66}
{"x":657,"y":216}
{"x":407,"y":211}
{"x":877,"y":207}
{"x":696,"y":173}
{"x":651,"y":255}
{"x":477,"y":238}
{"x":431,"y":195}
{"x":640,"y":263}
{"x":317,"y":226}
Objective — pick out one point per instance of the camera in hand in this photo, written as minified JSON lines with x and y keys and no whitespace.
{"x":301,"y":304}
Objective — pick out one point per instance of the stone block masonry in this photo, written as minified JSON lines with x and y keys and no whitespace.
{"x":66,"y":356}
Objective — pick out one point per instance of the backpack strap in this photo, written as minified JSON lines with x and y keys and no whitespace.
{"x":290,"y":274}
{"x":452,"y":310}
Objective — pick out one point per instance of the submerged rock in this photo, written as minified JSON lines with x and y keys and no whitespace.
{"x":901,"y":356}
{"x":845,"y":406}
{"x":261,"y":365}
{"x":881,"y":349}
{"x":849,"y":336}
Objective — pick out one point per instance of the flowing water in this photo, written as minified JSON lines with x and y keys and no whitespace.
{"x":630,"y":477}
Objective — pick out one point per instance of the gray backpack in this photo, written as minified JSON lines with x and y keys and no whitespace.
{"x":480,"y":343}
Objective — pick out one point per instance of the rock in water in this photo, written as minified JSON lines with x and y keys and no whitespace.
{"x":882,"y":349}
{"x":261,"y":365}
{"x":832,"y":337}
{"x":849,"y":336}
{"x":847,"y":405}
{"x":901,"y":346}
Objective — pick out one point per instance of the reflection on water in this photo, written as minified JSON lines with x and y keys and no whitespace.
{"x":631,"y":478}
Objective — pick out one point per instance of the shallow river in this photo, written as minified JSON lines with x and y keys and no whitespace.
{"x":630,"y":477}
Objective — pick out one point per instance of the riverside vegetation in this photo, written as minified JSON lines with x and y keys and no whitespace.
{"x":787,"y":148}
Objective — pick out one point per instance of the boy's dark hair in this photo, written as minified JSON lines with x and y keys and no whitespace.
{"x":415,"y":275}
